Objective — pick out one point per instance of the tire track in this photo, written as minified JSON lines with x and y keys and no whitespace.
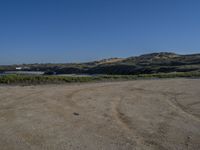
{"x":125,"y":123}
{"x":68,"y":101}
{"x":194,"y":103}
{"x":70,"y":96}
{"x":19,"y":100}
{"x":173,"y":101}
{"x":182,"y":109}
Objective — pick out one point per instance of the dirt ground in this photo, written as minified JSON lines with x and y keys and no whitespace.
{"x":141,"y":115}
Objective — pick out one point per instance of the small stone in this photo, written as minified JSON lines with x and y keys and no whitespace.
{"x":76,"y":114}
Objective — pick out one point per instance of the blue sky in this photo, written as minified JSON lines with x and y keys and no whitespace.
{"x":41,"y":31}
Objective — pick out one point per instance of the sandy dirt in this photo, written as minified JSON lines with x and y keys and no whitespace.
{"x":141,"y":115}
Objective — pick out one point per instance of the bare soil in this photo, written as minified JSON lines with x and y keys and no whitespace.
{"x":141,"y":115}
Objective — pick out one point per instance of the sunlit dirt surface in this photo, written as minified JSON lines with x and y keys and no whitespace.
{"x":142,"y":115}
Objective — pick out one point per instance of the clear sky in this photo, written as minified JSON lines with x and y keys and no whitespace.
{"x":40,"y":31}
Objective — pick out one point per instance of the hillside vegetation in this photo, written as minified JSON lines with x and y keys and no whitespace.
{"x":145,"y":64}
{"x":28,"y":79}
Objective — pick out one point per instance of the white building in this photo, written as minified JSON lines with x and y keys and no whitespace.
{"x":18,"y":68}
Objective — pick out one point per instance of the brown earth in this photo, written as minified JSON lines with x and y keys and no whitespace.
{"x":142,"y":115}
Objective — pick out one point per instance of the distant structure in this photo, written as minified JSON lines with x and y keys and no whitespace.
{"x":18,"y":68}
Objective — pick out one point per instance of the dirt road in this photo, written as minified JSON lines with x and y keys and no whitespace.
{"x":142,"y":115}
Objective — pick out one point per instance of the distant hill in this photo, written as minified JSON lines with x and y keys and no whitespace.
{"x":162,"y":62}
{"x":150,"y":63}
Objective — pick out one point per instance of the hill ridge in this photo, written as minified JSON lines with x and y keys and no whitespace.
{"x":159,"y":62}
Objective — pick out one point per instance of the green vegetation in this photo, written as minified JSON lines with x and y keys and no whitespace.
{"x":145,"y":64}
{"x":27,"y":79}
{"x":154,"y":65}
{"x":32,"y":79}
